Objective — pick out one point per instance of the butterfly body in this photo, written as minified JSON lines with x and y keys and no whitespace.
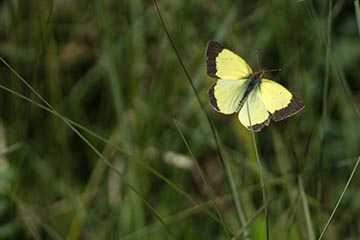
{"x":253,"y":81}
{"x":238,"y":85}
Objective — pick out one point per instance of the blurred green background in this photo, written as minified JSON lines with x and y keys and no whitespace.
{"x":108,"y":67}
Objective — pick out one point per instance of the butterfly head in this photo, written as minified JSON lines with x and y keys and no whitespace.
{"x":259,"y":74}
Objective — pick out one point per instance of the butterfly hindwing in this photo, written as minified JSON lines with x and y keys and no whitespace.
{"x":253,"y":113}
{"x":225,"y":95}
{"x":224,"y":64}
{"x":279,"y":102}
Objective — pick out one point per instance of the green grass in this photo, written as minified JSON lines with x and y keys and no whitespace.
{"x":94,"y":102}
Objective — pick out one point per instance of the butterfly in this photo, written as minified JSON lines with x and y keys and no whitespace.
{"x":238,"y":89}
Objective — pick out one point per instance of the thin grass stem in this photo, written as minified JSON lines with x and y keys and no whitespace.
{"x":261,"y":176}
{"x":207,"y":185}
{"x":238,"y":206}
{"x":309,"y":224}
{"x":113,"y":145}
{"x":91,"y":146}
{"x":357,"y":13}
{"x":340,"y":198}
{"x":211,"y":124}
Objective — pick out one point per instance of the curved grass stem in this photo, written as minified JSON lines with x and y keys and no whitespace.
{"x":340,"y":198}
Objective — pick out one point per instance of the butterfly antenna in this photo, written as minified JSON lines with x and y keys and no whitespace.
{"x":265,"y":70}
{"x":257,"y":60}
{"x":273,"y":70}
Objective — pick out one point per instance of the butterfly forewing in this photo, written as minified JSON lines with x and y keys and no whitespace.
{"x":223,"y":63}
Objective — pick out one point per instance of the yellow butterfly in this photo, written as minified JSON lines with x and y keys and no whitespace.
{"x":239,"y":89}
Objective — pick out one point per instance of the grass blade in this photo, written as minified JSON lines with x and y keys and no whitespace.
{"x":207,"y":185}
{"x":261,"y":176}
{"x":340,"y":198}
{"x":212,"y":127}
{"x":238,"y":206}
{"x":357,"y":13}
{"x":113,"y":145}
{"x":91,"y":146}
{"x":309,"y":224}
